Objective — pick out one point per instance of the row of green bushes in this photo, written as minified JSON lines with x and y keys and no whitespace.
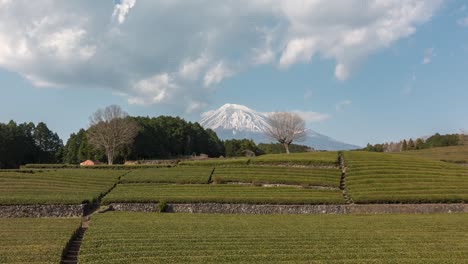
{"x":107,"y":167}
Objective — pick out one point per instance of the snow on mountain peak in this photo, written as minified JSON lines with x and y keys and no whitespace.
{"x":235,"y":117}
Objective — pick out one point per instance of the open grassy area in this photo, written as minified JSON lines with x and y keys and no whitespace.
{"x":278,"y":174}
{"x":169,"y":175}
{"x":222,"y":193}
{"x":393,"y":178}
{"x":64,"y":186}
{"x":327,"y":158}
{"x":455,"y":154}
{"x":119,"y":237}
{"x":34,"y":240}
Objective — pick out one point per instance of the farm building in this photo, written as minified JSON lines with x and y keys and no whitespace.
{"x":88,"y":163}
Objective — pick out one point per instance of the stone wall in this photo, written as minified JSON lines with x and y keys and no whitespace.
{"x":294,"y":209}
{"x":407,"y":208}
{"x":10,"y":211}
{"x":134,"y":207}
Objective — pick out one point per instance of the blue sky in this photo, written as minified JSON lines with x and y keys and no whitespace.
{"x":358,"y":71}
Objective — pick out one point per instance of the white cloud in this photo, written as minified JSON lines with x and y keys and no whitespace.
{"x":263,"y":56}
{"x":428,"y":54}
{"x":312,"y":117}
{"x":191,"y":69}
{"x":341,"y":72}
{"x":342,"y":104}
{"x":195,"y":44}
{"x":153,"y":90}
{"x":298,"y":50}
{"x":66,"y":43}
{"x":216,"y":74}
{"x":463,"y":22}
{"x":121,"y":10}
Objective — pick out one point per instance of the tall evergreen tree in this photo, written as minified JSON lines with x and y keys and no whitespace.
{"x":411,"y":145}
{"x":404,"y":145}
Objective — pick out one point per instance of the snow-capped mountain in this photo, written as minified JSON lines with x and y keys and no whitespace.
{"x":238,"y":121}
{"x":234,"y":117}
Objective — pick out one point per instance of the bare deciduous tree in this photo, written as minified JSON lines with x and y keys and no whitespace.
{"x":111,"y":130}
{"x":285,"y":128}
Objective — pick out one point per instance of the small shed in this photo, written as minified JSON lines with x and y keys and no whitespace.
{"x":87,"y":163}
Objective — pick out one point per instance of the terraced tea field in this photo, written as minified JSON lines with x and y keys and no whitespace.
{"x":278,"y":175}
{"x":308,"y":158}
{"x":64,"y":186}
{"x":181,"y":175}
{"x":216,"y":162}
{"x":394,"y":178}
{"x":121,"y":237}
{"x":326,"y":159}
{"x":118,"y":237}
{"x":221,"y":193}
{"x":455,"y":154}
{"x":36,"y":240}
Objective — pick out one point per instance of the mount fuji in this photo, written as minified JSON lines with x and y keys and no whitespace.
{"x":233,"y":121}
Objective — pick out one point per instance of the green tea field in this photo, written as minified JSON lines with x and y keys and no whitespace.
{"x":63,"y":186}
{"x":278,"y":175}
{"x":305,"y":180}
{"x":395,"y":178}
{"x":213,"y":238}
{"x":455,"y":154}
{"x":26,"y":240}
{"x":220,"y":193}
{"x":181,"y":175}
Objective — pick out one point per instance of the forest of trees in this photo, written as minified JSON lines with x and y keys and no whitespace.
{"x":160,"y":137}
{"x":166,"y":137}
{"x":433,"y":141}
{"x":237,"y":147}
{"x":28,"y":143}
{"x":276,"y":148}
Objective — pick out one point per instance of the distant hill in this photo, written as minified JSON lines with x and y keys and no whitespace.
{"x":233,"y":121}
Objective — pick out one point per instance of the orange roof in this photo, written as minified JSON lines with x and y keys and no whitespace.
{"x":87,"y":163}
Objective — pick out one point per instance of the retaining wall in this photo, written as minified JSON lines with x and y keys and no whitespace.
{"x":55,"y":210}
{"x":294,"y":209}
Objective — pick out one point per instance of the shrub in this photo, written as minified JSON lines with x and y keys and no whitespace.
{"x":162,"y":206}
{"x":218,"y":180}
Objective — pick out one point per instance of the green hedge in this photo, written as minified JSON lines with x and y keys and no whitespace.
{"x":107,"y":167}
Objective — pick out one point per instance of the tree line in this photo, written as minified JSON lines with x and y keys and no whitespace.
{"x":28,"y":143}
{"x":115,"y":137}
{"x":160,"y":137}
{"x":434,"y":141}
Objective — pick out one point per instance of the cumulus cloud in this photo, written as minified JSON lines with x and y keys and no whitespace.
{"x":170,"y":52}
{"x":428,"y":54}
{"x":342,"y":104}
{"x":121,"y":10}
{"x":341,"y":72}
{"x":191,"y":69}
{"x":216,"y":74}
{"x":298,"y":50}
{"x":153,"y":90}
